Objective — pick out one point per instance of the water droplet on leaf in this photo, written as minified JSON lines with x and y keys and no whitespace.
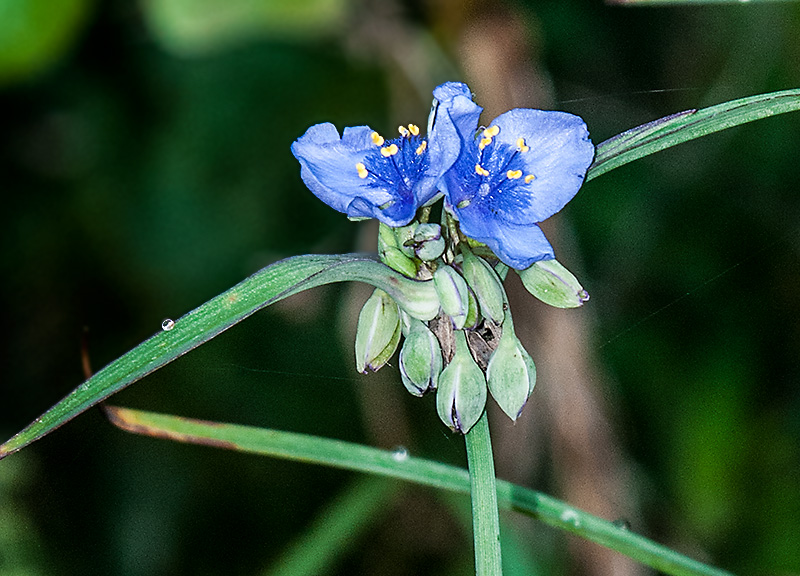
{"x":400,"y":454}
{"x":167,"y":325}
{"x":571,"y":517}
{"x":622,"y":524}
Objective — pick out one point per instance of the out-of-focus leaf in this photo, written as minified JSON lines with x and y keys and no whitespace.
{"x":336,"y":529}
{"x":195,"y":27}
{"x":401,"y":465}
{"x":34,"y":34}
{"x":688,"y":125}
{"x":269,"y":285}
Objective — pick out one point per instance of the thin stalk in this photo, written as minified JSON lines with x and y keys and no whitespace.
{"x":483,"y":487}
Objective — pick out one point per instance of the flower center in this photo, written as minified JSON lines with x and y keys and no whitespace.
{"x":396,"y":164}
{"x":493,"y":172}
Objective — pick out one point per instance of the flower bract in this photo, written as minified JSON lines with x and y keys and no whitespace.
{"x":508,"y":177}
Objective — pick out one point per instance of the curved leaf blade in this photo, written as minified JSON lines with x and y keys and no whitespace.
{"x":687,"y":125}
{"x":360,"y":458}
{"x":269,"y":285}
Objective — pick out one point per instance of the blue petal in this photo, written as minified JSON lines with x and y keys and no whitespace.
{"x":354,"y":176}
{"x":557,"y":156}
{"x":519,"y":246}
{"x":527,"y":171}
{"x":453,"y":102}
{"x":328,"y":166}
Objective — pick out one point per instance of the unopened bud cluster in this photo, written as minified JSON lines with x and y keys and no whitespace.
{"x":470,"y":346}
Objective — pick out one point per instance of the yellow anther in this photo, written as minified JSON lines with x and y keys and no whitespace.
{"x":390,"y":150}
{"x":481,"y":170}
{"x":529,"y":178}
{"x":377,"y":139}
{"x":484,"y":143}
{"x":414,"y":129}
{"x":362,"y":170}
{"x":422,"y":147}
{"x":522,"y":146}
{"x":403,"y":130}
{"x":514,"y":174}
{"x":491,"y":132}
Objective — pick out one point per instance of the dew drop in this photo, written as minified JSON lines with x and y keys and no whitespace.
{"x":571,"y":517}
{"x":400,"y":454}
{"x":622,"y":524}
{"x":167,"y":325}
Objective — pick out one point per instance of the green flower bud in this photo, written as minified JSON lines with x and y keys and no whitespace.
{"x":461,"y":393}
{"x":405,"y":236}
{"x":420,"y":359}
{"x":553,"y":284}
{"x":429,"y":243}
{"x":486,"y":285}
{"x":453,"y":294}
{"x":393,"y":253}
{"x":396,"y":260}
{"x":511,"y":374}
{"x":418,"y":299}
{"x":378,"y":332}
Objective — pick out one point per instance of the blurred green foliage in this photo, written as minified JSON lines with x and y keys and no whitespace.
{"x":146,"y":167}
{"x":36,"y":33}
{"x":196,"y":27}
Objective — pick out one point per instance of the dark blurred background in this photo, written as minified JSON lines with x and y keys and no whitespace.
{"x":145,"y":168}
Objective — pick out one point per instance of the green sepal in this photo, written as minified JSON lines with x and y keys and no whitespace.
{"x":392,"y":251}
{"x":395,"y":259}
{"x":453,"y":294}
{"x":553,"y":284}
{"x":486,"y":285}
{"x":378,"y":332}
{"x":428,"y":242}
{"x":461,"y":393}
{"x":511,"y":374}
{"x":420,"y":359}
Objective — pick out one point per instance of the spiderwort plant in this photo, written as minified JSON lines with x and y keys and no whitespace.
{"x":438,"y":353}
{"x":498,"y":183}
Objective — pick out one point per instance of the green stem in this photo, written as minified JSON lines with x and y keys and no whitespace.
{"x":483,"y":487}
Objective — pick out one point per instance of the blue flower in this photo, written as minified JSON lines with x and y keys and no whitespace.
{"x":508,"y":177}
{"x":364,"y":175}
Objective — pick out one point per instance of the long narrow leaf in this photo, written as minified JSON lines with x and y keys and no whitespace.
{"x":271,"y":284}
{"x":360,"y":458}
{"x":688,"y":125}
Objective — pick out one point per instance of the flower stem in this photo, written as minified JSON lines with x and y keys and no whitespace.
{"x":485,"y":519}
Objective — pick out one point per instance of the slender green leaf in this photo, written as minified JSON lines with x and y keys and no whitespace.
{"x":273,"y":283}
{"x":688,"y":125}
{"x":339,"y":454}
